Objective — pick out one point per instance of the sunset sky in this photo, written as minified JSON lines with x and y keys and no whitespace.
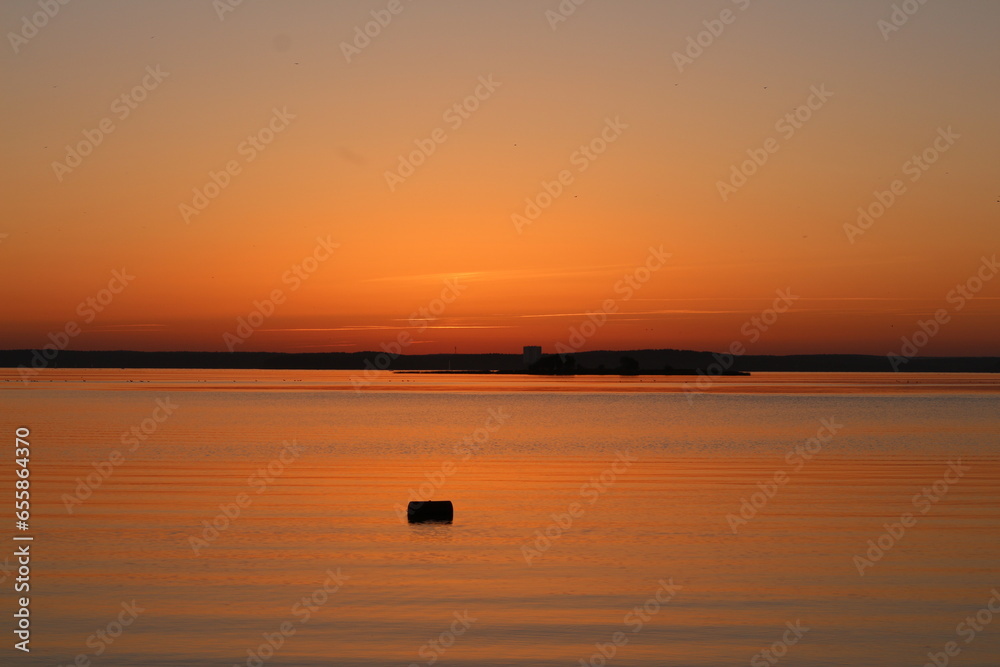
{"x":199,"y":81}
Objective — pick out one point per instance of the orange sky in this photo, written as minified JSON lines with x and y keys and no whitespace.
{"x":336,"y":128}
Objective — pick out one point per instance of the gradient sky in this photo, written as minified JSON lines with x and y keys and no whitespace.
{"x":656,"y":185}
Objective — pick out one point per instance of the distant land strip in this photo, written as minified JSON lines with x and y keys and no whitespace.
{"x":604,"y":362}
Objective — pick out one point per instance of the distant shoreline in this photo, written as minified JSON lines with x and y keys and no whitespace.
{"x":684,"y":372}
{"x":600,"y":362}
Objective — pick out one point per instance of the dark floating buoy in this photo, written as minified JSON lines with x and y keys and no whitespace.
{"x":430,"y":510}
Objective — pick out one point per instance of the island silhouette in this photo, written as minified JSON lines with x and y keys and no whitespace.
{"x":598,"y":362}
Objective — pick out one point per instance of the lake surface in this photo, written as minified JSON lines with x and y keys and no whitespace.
{"x":584,"y":507}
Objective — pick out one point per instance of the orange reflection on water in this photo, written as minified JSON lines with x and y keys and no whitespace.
{"x":544,"y":586}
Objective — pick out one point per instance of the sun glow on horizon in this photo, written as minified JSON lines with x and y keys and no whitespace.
{"x":482,"y":179}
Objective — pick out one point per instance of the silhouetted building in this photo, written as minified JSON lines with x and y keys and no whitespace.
{"x":532,"y":353}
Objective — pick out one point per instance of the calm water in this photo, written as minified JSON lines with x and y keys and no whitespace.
{"x":655,"y":477}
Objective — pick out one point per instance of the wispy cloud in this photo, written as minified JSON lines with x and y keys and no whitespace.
{"x":390,"y":328}
{"x":129,"y":328}
{"x":506,"y":274}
